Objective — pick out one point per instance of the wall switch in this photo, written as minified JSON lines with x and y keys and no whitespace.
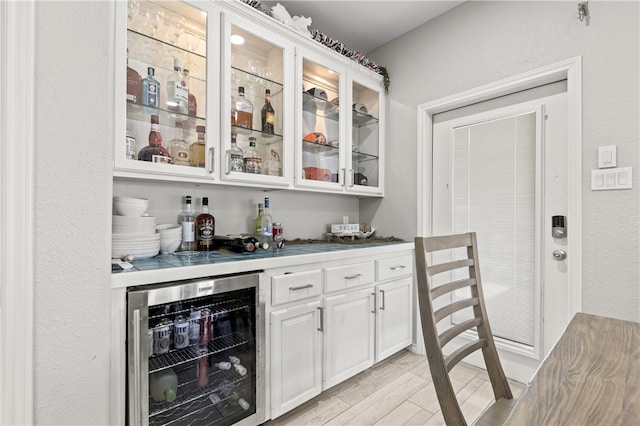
{"x":607,"y":156}
{"x":609,"y":179}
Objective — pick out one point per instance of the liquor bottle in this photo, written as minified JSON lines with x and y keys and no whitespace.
{"x":150,"y":89}
{"x":205,"y":227}
{"x":257,"y":222}
{"x":273,"y":166}
{"x":236,"y":159}
{"x":177,"y":90}
{"x":252,"y":159}
{"x":268,"y":114}
{"x":192,"y":104}
{"x":266,"y":232}
{"x":244,"y":110}
{"x":197,"y":149}
{"x":234,"y":111}
{"x":154,"y":152}
{"x":235,"y":243}
{"x":130,"y":147}
{"x":187,"y":219}
{"x":134,"y":84}
{"x":179,"y":148}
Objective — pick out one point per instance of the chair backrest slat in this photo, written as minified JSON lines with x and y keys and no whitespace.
{"x":447,"y":310}
{"x":456,"y":330}
{"x":452,"y":286}
{"x":449,"y":266}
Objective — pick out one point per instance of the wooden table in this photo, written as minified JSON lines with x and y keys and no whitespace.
{"x":591,"y":377}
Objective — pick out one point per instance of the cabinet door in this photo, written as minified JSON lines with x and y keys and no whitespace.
{"x":365,"y":165}
{"x":257,"y":61}
{"x":296,"y":356}
{"x":394,"y":318}
{"x":321,"y":130}
{"x":167,"y":45}
{"x":348,"y":335}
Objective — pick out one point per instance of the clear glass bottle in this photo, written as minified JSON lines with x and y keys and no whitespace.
{"x":134,"y":84}
{"x":252,"y":158}
{"x":234,"y":111}
{"x":273,"y":166}
{"x":244,"y":110}
{"x":179,"y":148}
{"x":187,"y":220}
{"x":266,"y":232}
{"x":258,"y":220}
{"x":192,"y":103}
{"x":268,"y":115}
{"x":154,"y":152}
{"x":205,"y":227}
{"x":150,"y":89}
{"x":177,"y":90}
{"x":130,"y":147}
{"x":198,"y":148}
{"x":236,"y":159}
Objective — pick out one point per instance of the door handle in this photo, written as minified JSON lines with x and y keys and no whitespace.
{"x":559,"y":254}
{"x":137,"y":398}
{"x":321,"y":309}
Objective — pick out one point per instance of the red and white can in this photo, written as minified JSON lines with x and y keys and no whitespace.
{"x":278,"y":236}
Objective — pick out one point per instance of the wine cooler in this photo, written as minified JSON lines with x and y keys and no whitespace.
{"x":195,"y":352}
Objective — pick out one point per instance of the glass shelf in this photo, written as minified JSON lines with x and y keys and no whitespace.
{"x":361,"y":156}
{"x":319,"y":106}
{"x":261,"y":138}
{"x":360,"y":119}
{"x":142,"y":113}
{"x":250,"y":77}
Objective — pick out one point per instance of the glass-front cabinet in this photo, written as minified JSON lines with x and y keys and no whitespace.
{"x":339,"y":130}
{"x":167,"y":89}
{"x":257,"y":119}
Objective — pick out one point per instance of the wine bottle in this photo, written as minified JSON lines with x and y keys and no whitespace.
{"x":268,"y":115}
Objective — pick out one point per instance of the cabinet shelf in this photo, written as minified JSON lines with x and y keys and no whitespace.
{"x":333,"y":151}
{"x":360,"y":119}
{"x":143,"y":113}
{"x":261,"y":138}
{"x":319,"y":106}
{"x":239,"y":76}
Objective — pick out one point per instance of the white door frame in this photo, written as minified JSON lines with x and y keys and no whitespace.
{"x":571,"y":70}
{"x":17,"y":67}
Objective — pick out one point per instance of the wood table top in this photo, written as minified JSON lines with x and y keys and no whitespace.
{"x":591,"y":377}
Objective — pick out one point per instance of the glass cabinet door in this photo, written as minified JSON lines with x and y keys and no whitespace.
{"x":256,"y":105}
{"x":364,"y":164}
{"x":321,"y":161}
{"x":166,"y":94}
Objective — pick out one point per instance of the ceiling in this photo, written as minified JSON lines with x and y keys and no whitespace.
{"x":365,"y":25}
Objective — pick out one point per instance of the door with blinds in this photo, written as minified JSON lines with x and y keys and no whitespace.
{"x":499,"y":170}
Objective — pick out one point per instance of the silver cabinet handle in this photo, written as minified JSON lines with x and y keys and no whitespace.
{"x":302,"y":287}
{"x":395,"y":268}
{"x":351,"y":178}
{"x":351,"y":277}
{"x":344,"y":177}
{"x":227,"y":160}
{"x":321,"y":309}
{"x":212,"y":156}
{"x":137,"y":408}
{"x":382,"y":299}
{"x":373,"y":309}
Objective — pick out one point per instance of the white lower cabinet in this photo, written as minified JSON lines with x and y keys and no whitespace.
{"x":323,"y":335}
{"x":296,"y":356}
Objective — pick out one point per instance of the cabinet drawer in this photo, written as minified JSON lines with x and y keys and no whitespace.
{"x":342,"y":277}
{"x":394,"y":267}
{"x":295,"y":286}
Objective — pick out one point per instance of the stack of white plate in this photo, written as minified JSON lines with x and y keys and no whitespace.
{"x":134,"y":236}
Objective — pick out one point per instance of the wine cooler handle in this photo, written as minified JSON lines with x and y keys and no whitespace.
{"x":212,"y":152}
{"x":382,"y":300}
{"x":227,"y":160}
{"x":137,"y":406}
{"x":321,"y":309}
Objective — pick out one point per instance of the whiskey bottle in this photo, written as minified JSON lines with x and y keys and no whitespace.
{"x":187,"y":220}
{"x":179,"y":148}
{"x":252,"y":159}
{"x":197,"y":149}
{"x":177,"y":90}
{"x":236,"y":160}
{"x":205,"y":227}
{"x":154,"y":152}
{"x":192,"y":104}
{"x":268,"y":115}
{"x":244,"y":110}
{"x":134,"y":84}
{"x":150,"y":89}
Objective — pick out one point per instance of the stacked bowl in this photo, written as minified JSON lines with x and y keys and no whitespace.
{"x":132,"y":233}
{"x":170,"y":237}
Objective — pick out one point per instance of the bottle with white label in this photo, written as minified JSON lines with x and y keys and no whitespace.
{"x":177,"y":90}
{"x":130,"y":146}
{"x":188,"y":219}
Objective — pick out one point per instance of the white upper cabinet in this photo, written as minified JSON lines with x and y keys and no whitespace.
{"x":200,"y":75}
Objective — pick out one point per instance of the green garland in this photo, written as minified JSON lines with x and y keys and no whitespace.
{"x":385,"y":79}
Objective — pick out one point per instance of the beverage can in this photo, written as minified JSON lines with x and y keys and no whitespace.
{"x":205,"y":326}
{"x":278,"y":236}
{"x":162,"y":337}
{"x":181,"y":332}
{"x":194,"y":327}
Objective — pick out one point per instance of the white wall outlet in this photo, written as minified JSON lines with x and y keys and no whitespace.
{"x":607,"y":156}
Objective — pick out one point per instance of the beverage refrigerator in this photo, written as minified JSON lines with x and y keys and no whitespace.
{"x":195,"y":352}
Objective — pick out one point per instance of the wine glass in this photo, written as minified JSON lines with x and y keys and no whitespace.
{"x":133,"y":6}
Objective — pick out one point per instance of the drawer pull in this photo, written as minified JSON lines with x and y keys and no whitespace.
{"x":302,"y":287}
{"x":321,"y":328}
{"x":395,"y":268}
{"x":351,"y":277}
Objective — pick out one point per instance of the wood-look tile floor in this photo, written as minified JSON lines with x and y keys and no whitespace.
{"x":396,"y":391}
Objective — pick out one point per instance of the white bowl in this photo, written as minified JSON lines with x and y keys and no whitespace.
{"x":128,"y":206}
{"x":169,"y":247}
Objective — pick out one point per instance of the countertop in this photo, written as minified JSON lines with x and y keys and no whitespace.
{"x":171,"y":267}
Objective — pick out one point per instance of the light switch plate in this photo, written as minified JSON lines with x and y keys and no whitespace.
{"x":609,"y":179}
{"x":607,"y":156}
